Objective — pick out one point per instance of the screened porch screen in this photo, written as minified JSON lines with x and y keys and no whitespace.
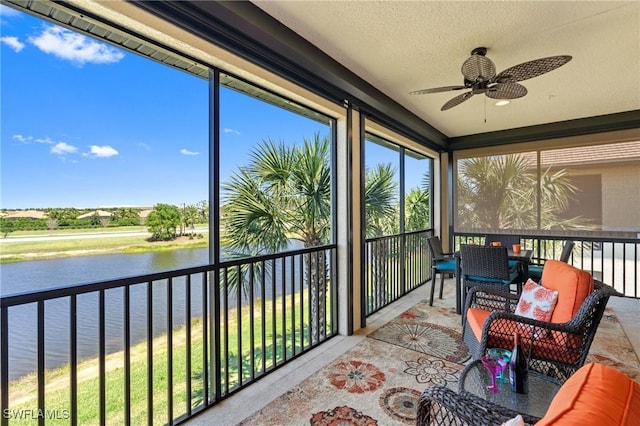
{"x":593,"y":189}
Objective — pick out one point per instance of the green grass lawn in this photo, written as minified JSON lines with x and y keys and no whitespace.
{"x":17,"y":251}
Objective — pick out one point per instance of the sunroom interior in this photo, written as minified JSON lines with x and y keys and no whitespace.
{"x":351,"y":66}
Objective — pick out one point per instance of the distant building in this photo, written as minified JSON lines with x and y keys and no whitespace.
{"x":144,"y":213}
{"x":26,"y":214}
{"x":96,"y":213}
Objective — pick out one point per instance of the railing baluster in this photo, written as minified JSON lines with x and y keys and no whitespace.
{"x":127,"y":354}
{"x":40,"y":373}
{"x":4,"y":365}
{"x":150,"y":353}
{"x":239,"y":323}
{"x":284,"y":309}
{"x":225,"y":310}
{"x":274,"y":330}
{"x":188,"y":343}
{"x":252,"y":334}
{"x":315,"y":287}
{"x":624,"y":270}
{"x":292,"y":267}
{"x":73,"y":358}
{"x":300,"y":270}
{"x":205,"y":335}
{"x":263,"y":315}
{"x":170,"y":351}
{"x":101,"y":360}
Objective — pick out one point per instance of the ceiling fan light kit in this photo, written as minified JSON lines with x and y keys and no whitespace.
{"x":480,"y":76}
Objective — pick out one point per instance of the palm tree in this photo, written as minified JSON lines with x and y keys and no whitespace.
{"x":500,"y":192}
{"x":190,"y":216}
{"x":418,"y":207}
{"x":283,"y":194}
{"x":380,"y":200}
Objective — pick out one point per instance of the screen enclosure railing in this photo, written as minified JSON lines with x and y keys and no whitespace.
{"x":166,"y":345}
{"x":394,"y":266}
{"x":614,"y":261}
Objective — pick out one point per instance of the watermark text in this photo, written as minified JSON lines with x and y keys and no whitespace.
{"x":34,"y":414}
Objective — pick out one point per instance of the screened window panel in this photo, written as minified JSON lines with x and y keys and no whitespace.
{"x":275,"y":172}
{"x":594,"y":189}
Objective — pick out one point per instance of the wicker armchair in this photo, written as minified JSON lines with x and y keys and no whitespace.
{"x":442,"y":406}
{"x":555,"y":349}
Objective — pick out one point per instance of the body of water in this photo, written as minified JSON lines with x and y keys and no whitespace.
{"x":30,"y":276}
{"x":37,"y":275}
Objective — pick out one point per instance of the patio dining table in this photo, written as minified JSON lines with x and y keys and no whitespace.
{"x":523,"y":256}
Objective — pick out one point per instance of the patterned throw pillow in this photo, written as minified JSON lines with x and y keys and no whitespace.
{"x":536,"y":302}
{"x":516,"y":421}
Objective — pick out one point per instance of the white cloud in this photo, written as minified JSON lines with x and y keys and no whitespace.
{"x":101,"y":151}
{"x":63,"y":148}
{"x":144,"y":146}
{"x":29,"y":139}
{"x":187,"y":152}
{"x":228,"y":130}
{"x":21,"y":138}
{"x":74,"y":47}
{"x":46,"y":140}
{"x":13,"y":43}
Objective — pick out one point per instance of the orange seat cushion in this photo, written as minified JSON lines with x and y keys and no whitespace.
{"x":572,"y":284}
{"x":595,"y":395}
{"x":501,"y":336}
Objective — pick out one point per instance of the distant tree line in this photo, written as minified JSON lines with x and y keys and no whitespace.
{"x":183,"y":220}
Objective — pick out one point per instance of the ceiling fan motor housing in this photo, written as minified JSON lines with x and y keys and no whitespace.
{"x":478,"y":68}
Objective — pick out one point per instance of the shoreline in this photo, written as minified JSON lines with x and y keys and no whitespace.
{"x":52,"y":247}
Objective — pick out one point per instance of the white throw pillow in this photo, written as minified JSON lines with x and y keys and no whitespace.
{"x":516,"y":421}
{"x":536,"y":302}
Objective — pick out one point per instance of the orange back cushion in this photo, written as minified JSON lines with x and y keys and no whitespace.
{"x":572,"y":284}
{"x":595,"y":395}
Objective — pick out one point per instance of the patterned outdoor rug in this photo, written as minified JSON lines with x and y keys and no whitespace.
{"x":375,"y":383}
{"x":411,"y":331}
{"x":380,"y":380}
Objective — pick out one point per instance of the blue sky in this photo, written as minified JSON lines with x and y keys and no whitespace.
{"x":85,"y":124}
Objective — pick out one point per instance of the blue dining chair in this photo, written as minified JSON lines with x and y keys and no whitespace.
{"x":505,"y":240}
{"x":535,"y":269}
{"x":488,"y":266}
{"x":442,"y":263}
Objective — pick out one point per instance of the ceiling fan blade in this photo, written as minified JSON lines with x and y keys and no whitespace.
{"x":437,"y":90}
{"x":506,"y":91}
{"x":456,"y":101}
{"x":527,"y":70}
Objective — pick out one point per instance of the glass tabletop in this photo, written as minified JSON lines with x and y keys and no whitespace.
{"x":475,"y":378}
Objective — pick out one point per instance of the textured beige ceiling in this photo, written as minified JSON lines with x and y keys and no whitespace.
{"x":401,"y":46}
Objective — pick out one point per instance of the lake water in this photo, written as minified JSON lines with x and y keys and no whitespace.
{"x":29,"y":276}
{"x":36,"y":275}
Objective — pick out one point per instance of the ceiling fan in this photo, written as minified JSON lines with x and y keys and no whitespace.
{"x":480,"y":76}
